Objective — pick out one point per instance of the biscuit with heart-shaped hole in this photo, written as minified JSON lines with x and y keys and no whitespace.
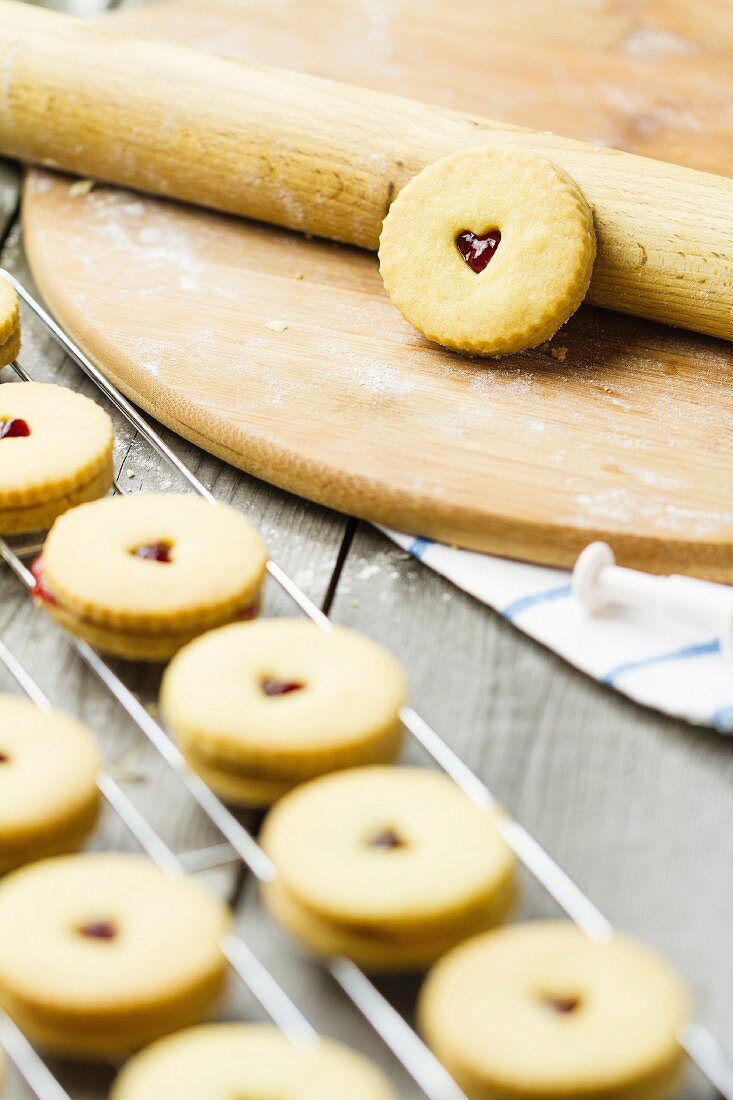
{"x":488,"y":251}
{"x":102,"y":952}
{"x":538,"y":1010}
{"x":55,"y":452}
{"x":258,"y":707}
{"x":389,"y":866}
{"x":140,"y":576}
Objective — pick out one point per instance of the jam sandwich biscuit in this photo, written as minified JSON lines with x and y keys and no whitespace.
{"x":389,"y":866}
{"x":259,"y":707}
{"x":140,"y":576}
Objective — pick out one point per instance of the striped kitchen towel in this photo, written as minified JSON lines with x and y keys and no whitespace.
{"x":672,"y":667}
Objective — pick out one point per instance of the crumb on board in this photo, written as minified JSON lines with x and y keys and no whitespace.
{"x":559,"y":353}
{"x":299,"y":275}
{"x":276,"y":326}
{"x":81,"y":187}
{"x":131,"y":473}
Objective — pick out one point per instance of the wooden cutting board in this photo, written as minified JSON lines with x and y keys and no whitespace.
{"x":284,"y":356}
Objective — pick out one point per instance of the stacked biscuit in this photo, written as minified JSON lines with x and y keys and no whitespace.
{"x":140,"y":576}
{"x":538,"y":1011}
{"x":101,"y":953}
{"x":259,"y":707}
{"x":55,"y":453}
{"x":388,"y":866}
{"x":49,"y":801}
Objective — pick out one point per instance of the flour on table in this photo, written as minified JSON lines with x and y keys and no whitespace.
{"x":653,"y":42}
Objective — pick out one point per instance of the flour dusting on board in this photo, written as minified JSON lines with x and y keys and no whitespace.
{"x":367,"y":372}
{"x":654,"y":42}
{"x":135,"y":228}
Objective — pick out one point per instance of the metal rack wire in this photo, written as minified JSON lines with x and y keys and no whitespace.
{"x":429,"y":1074}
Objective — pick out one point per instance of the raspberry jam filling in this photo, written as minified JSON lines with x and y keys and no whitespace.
{"x":562,"y":1005}
{"x":280,"y":687}
{"x":38,"y":591}
{"x":154,"y":551}
{"x":251,"y":611}
{"x":387,"y":840}
{"x":14,"y":428}
{"x":478,"y":250}
{"x":98,"y":930}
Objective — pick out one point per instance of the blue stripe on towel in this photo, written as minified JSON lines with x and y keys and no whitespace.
{"x":513,"y":609}
{"x":684,"y":654}
{"x":418,"y":547}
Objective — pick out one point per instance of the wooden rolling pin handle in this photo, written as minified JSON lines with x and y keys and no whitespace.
{"x":327,"y":158}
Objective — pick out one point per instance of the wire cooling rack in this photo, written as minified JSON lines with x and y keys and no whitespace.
{"x":404,"y":1043}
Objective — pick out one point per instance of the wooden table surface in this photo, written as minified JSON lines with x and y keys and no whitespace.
{"x":637,"y":808}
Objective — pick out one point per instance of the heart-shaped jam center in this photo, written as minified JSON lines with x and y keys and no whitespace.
{"x":386,"y":839}
{"x":562,"y":1005}
{"x":270,"y":686}
{"x":98,"y":930}
{"x":477,"y":250}
{"x":14,"y":428}
{"x":154,"y":551}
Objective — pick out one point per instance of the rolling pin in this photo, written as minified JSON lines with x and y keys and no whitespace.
{"x":327,"y":159}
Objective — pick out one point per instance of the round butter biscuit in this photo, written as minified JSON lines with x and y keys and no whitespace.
{"x":55,"y":453}
{"x":259,"y":707}
{"x":140,"y":576}
{"x":390,"y":866}
{"x":537,"y":1011}
{"x":488,"y":251}
{"x":101,"y":953}
{"x":49,"y":800}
